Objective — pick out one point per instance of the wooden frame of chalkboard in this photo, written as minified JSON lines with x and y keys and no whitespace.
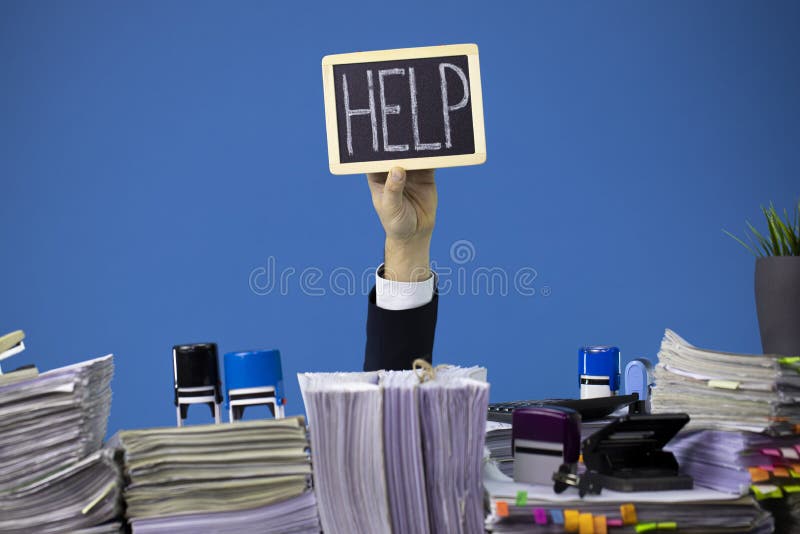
{"x":464,"y":142}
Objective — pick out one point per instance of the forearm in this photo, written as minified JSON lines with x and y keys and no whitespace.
{"x":409,"y":260}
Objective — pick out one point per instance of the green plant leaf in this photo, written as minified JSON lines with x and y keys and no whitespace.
{"x":762,"y":241}
{"x":775,"y":242}
{"x":745,"y":245}
{"x":787,"y":236}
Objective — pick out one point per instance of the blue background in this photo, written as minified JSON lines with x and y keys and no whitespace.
{"x":152,"y":155}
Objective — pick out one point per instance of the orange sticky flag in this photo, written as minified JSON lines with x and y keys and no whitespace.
{"x":600,"y":524}
{"x":585,"y":524}
{"x":502,"y":508}
{"x":780,"y":472}
{"x":758,"y":475}
{"x":571,"y":523}
{"x":628,"y":513}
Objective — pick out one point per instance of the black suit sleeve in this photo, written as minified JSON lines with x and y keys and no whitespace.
{"x":395,"y":338}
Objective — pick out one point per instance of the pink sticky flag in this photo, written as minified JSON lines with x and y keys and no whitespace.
{"x":540,"y":516}
{"x":771,"y":452}
{"x":614,"y":522}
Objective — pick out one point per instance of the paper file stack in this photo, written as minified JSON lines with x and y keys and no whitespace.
{"x":242,"y":477}
{"x":745,"y":414}
{"x":522,"y":508}
{"x":726,"y":391}
{"x":498,"y":444}
{"x":392,"y":453}
{"x":53,"y":475}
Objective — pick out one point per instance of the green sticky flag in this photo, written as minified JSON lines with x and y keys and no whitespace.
{"x":522,"y":498}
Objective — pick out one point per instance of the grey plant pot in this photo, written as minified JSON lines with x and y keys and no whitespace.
{"x":778,"y":304}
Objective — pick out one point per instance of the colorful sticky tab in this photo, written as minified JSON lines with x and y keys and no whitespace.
{"x":522,"y":498}
{"x":613,"y":522}
{"x":771,"y":452}
{"x":501,"y":508}
{"x":650,"y":527}
{"x":571,"y":520}
{"x":600,"y":524}
{"x":558,"y":517}
{"x":766,"y":491}
{"x":794,"y":488}
{"x":628,"y":513}
{"x":790,"y":453}
{"x":758,"y":475}
{"x":781,"y":472}
{"x":723,"y":384}
{"x":585,"y":524}
{"x":540,"y":516}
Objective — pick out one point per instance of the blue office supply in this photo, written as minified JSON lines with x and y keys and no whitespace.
{"x":598,"y":371}
{"x":254,"y":378}
{"x":639,"y":379}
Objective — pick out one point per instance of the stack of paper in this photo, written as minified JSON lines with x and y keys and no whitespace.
{"x":521,"y":508}
{"x":745,"y":411}
{"x":727,"y":391}
{"x":394,"y":454}
{"x":78,"y":498}
{"x":345,"y":414}
{"x":238,"y":476}
{"x":498,"y":445}
{"x":52,"y":477}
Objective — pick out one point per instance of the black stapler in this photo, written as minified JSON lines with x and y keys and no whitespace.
{"x":628,"y":454}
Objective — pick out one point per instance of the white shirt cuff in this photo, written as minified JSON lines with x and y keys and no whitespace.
{"x":394,"y":295}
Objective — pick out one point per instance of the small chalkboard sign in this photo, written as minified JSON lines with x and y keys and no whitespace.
{"x":416,"y":108}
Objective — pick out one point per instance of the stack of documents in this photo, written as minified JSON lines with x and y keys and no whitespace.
{"x":394,"y":453}
{"x":498,"y":445}
{"x":53,"y":475}
{"x":521,"y":508}
{"x":726,"y":391}
{"x":745,"y":411}
{"x":79,"y":498}
{"x":238,"y":477}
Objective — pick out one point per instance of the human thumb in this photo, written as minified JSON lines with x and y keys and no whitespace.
{"x":393,"y":190}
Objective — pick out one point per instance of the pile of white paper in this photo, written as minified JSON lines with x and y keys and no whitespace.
{"x":238,"y":476}
{"x":53,"y":477}
{"x":498,"y":445}
{"x":745,"y":411}
{"x":394,"y":454}
{"x":726,"y":391}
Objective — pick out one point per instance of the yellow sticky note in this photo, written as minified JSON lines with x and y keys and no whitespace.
{"x":571,"y":520}
{"x":723,"y":384}
{"x":628,"y":513}
{"x":585,"y":524}
{"x":600,"y":524}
